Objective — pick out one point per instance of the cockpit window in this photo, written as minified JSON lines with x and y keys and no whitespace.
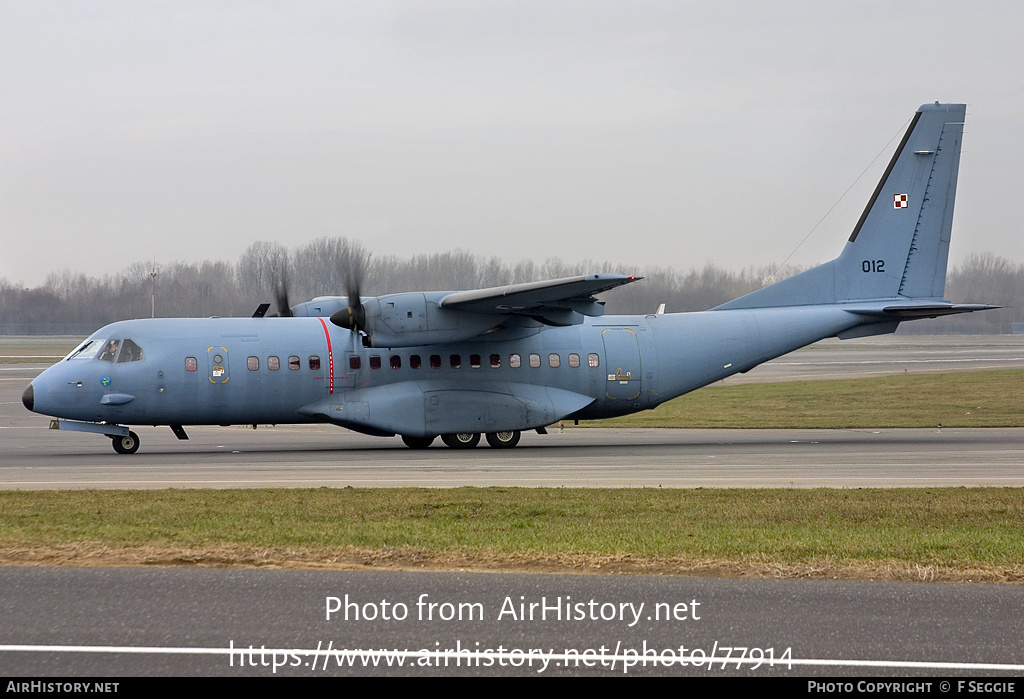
{"x":109,"y":350}
{"x":130,"y":352}
{"x":86,"y":350}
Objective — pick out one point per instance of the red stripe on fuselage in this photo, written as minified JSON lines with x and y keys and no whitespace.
{"x":330,"y":355}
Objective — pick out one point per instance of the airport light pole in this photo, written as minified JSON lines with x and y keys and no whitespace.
{"x":152,"y":275}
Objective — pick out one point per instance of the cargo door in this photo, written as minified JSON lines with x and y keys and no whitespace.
{"x":622,"y":360}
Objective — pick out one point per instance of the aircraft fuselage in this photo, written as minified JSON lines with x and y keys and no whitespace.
{"x":295,"y":370}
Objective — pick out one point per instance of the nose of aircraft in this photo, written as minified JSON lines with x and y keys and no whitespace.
{"x":28,"y":397}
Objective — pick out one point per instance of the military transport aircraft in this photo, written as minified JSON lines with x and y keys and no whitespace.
{"x":502,"y":360}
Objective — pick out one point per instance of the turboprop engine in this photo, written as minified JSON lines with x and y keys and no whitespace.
{"x":407,"y":319}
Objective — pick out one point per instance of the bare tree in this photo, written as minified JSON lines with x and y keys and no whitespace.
{"x":71,"y":299}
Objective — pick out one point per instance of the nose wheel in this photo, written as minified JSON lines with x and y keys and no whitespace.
{"x":126,"y":445}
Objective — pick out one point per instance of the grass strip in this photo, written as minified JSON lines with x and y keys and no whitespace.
{"x":942,"y":533}
{"x":34,"y":353}
{"x":965,"y":399}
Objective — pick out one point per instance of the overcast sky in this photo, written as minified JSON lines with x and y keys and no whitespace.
{"x":645,"y":133}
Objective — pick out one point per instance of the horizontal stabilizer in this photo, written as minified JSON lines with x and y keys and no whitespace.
{"x":922,"y":310}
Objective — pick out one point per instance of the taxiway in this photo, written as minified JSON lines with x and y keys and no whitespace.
{"x":314,"y":456}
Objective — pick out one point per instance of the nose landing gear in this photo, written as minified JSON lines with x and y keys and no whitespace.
{"x":128,"y":444}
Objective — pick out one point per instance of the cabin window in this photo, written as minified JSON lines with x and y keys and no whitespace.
{"x":273,"y":363}
{"x":375,"y":361}
{"x":554,"y":361}
{"x":314,"y":363}
{"x":109,"y":350}
{"x":574,"y":360}
{"x":414,"y":361}
{"x":455,"y":360}
{"x":592,"y":360}
{"x":535,"y":360}
{"x":396,"y":361}
{"x":514,"y":361}
{"x":293,"y":363}
{"x":130,"y":352}
{"x":354,"y":362}
{"x":190,"y":364}
{"x":474,"y":361}
{"x":496,"y":361}
{"x":435,"y":361}
{"x":253,"y":363}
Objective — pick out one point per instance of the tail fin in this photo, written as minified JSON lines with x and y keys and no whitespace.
{"x":900,"y":245}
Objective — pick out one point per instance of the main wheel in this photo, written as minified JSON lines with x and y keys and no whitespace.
{"x":417,"y":442}
{"x":126,"y":445}
{"x":462,"y":440}
{"x":504,"y":440}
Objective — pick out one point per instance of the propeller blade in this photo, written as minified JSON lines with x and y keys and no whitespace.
{"x":354,"y":316}
{"x":284,"y":309}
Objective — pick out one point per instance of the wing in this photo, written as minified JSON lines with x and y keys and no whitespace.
{"x":555,"y":302}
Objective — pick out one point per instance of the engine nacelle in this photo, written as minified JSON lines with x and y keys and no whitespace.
{"x":407,"y":319}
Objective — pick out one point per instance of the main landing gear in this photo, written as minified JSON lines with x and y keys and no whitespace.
{"x":503,"y":440}
{"x":467,"y":440}
{"x":417,"y":442}
{"x":129,"y":444}
{"x":461,"y":440}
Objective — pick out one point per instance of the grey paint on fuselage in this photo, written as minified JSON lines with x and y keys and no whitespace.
{"x":675,"y":353}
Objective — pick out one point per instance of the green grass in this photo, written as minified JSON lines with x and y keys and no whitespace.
{"x":949,"y":528}
{"x":34,"y":352}
{"x":966,"y":399}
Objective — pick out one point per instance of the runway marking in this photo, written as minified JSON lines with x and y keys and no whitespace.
{"x":695,"y":480}
{"x":901,"y":361}
{"x":632,"y":659}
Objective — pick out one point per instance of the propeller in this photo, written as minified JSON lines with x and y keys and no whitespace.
{"x":353,"y":317}
{"x":284,"y":309}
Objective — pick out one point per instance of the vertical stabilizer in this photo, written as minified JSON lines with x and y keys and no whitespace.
{"x":900,"y":245}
